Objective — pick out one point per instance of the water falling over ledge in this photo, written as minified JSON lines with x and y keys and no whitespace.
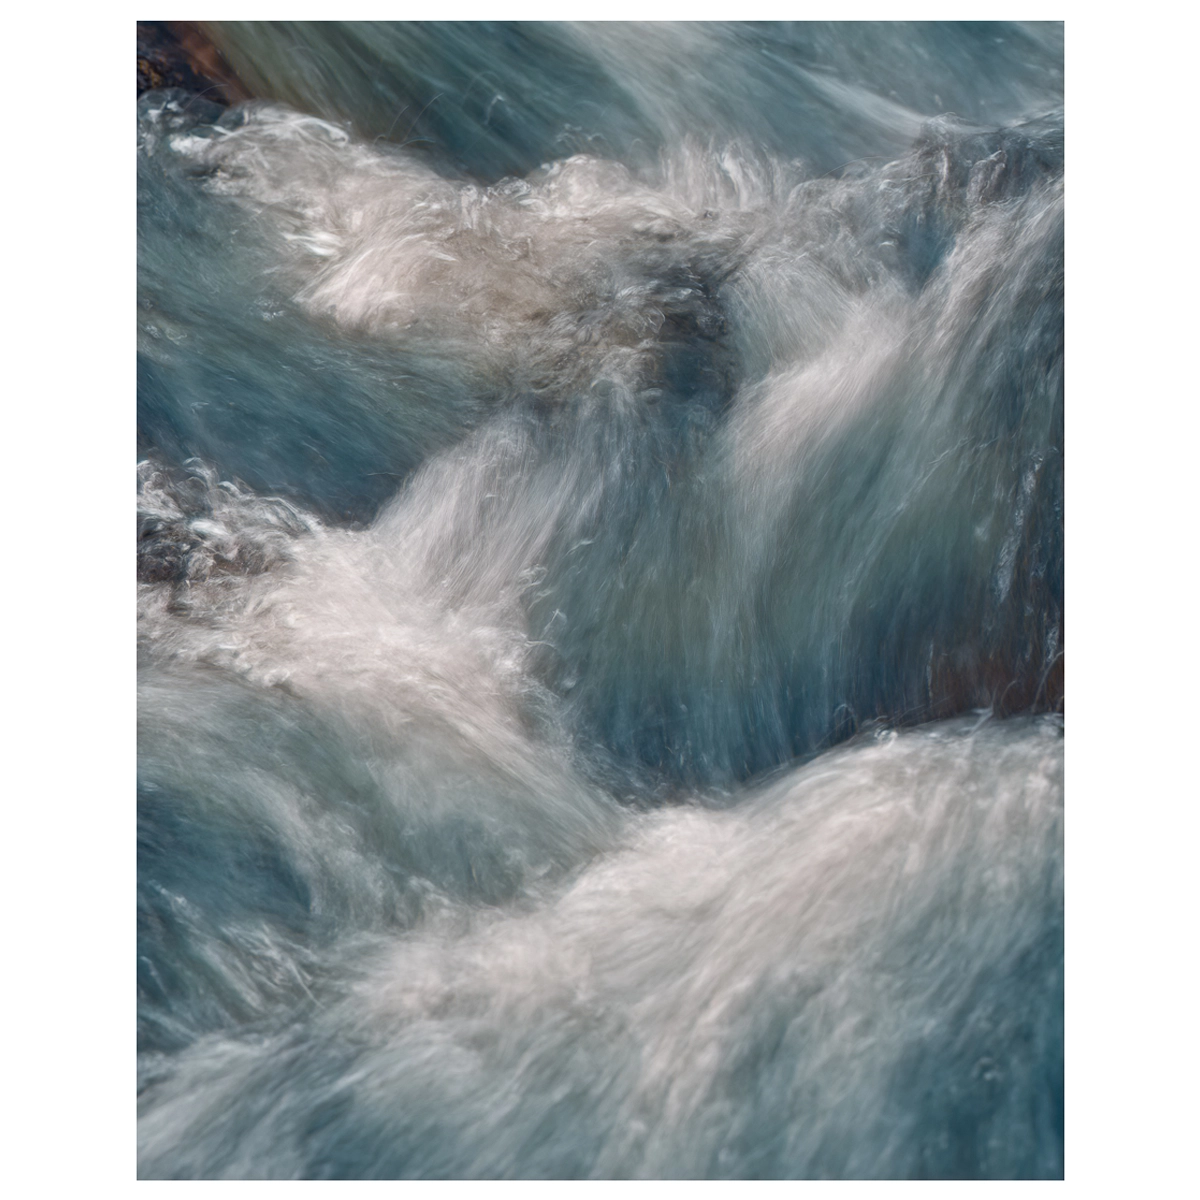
{"x":601,"y":605}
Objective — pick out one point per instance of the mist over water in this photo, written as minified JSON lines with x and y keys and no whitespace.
{"x":600,"y":605}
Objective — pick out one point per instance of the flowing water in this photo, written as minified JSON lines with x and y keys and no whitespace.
{"x":600,"y":604}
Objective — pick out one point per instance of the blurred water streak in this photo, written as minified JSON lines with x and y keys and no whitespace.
{"x":556,"y":440}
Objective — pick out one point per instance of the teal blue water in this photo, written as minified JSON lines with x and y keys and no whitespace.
{"x":601,"y":604}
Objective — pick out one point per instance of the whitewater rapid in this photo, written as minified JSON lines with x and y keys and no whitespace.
{"x":601,"y":611}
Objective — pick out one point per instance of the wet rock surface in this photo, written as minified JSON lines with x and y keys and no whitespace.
{"x":174,"y":54}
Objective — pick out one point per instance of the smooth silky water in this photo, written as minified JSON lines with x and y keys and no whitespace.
{"x":601,"y":604}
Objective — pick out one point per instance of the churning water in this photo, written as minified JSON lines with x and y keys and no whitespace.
{"x":601,"y":638}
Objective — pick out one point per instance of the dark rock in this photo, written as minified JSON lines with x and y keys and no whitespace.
{"x":176,"y":54}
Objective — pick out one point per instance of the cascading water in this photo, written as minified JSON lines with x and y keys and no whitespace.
{"x":600,"y":605}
